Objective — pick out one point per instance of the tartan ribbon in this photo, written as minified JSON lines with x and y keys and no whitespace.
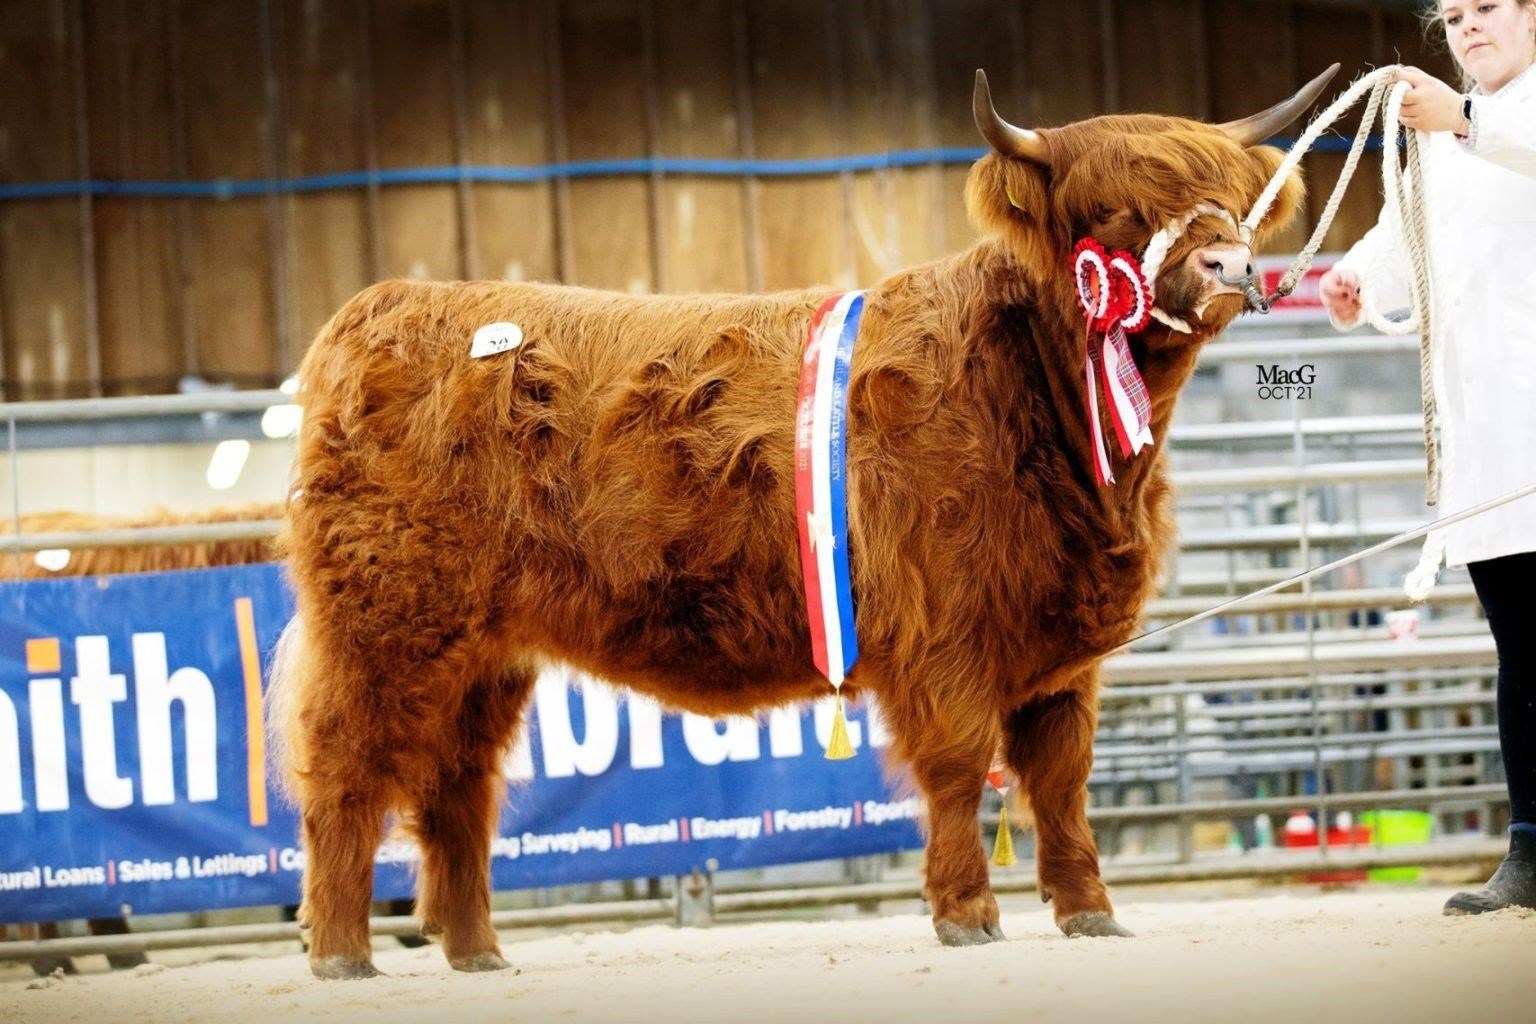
{"x":1115,"y":298}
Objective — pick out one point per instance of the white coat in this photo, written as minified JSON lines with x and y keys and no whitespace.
{"x":1482,"y":244}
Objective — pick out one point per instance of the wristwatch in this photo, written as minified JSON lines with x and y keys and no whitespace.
{"x":1466,"y":113}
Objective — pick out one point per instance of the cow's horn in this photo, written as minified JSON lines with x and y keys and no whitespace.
{"x":1007,"y":139}
{"x":1251,"y":131}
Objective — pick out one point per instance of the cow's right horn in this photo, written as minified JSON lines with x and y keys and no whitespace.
{"x":1007,"y":139}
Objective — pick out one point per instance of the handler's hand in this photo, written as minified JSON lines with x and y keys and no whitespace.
{"x":1340,"y":290}
{"x":1430,"y":105}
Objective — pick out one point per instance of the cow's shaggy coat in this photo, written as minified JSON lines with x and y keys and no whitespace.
{"x":618,"y":494}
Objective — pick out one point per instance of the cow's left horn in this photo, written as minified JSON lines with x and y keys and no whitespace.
{"x":1251,"y":131}
{"x":1007,"y":139}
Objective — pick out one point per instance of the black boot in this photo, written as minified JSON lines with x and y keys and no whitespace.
{"x":1513,"y":885}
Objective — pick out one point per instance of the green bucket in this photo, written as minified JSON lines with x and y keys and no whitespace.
{"x":1398,"y":828}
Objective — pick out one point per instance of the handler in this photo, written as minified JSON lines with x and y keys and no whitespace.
{"x":1480,"y":182}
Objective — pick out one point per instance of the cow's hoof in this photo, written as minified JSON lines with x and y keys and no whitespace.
{"x":341,"y":968}
{"x":1095,"y":924}
{"x":479,"y":962}
{"x":951,"y":934}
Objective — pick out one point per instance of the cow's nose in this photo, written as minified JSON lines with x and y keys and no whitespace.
{"x":1230,"y":264}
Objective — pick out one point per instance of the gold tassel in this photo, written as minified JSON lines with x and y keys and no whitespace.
{"x":838,"y":747}
{"x":1002,"y":850}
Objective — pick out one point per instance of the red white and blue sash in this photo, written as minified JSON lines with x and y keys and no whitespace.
{"x":821,"y":482}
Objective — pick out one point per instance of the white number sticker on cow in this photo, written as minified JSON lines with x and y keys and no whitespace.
{"x":494,"y":339}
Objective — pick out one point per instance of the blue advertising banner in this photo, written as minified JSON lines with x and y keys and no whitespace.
{"x":134,"y":770}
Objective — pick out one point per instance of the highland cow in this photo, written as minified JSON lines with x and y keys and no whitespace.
{"x":617,"y":493}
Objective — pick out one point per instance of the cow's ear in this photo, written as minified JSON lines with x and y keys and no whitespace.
{"x":1012,"y":198}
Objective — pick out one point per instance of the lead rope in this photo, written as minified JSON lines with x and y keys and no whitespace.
{"x":1404,"y":201}
{"x":1429,"y":529}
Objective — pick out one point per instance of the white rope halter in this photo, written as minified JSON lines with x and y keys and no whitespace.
{"x":1157,"y":252}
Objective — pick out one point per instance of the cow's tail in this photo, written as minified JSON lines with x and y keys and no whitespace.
{"x":284,"y":743}
{"x":1019,"y":808}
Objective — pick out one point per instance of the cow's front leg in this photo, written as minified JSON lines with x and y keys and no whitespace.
{"x":951,"y":771}
{"x":1050,"y":747}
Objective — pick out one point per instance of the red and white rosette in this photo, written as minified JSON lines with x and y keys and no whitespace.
{"x":1114,"y":295}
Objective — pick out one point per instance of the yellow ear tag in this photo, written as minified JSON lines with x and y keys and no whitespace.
{"x":838,"y":747}
{"x":1002,"y":850}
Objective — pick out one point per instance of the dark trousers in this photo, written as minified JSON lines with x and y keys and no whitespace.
{"x":1504,"y":586}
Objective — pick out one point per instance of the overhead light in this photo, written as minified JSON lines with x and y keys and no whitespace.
{"x":52,"y":559}
{"x":227,"y":462}
{"x":281,"y":421}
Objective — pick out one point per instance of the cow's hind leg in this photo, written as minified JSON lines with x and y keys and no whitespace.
{"x":342,"y":811}
{"x":1050,"y":746}
{"x":455,"y":820}
{"x":341,"y":752}
{"x":949,"y":757}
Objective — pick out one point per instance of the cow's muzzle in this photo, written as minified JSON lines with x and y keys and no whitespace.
{"x":1229,"y":270}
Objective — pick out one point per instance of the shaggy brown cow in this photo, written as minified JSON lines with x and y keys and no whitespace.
{"x":618,"y":494}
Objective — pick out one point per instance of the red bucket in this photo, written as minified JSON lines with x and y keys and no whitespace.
{"x":1338,"y":838}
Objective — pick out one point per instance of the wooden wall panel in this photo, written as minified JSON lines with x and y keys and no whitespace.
{"x":508,"y":105}
{"x":703,"y":226}
{"x":44,"y":347}
{"x":798,"y":112}
{"x":1325,"y":34}
{"x":143,"y":298}
{"x":327,"y":232}
{"x":1161,"y":52}
{"x":232,"y":285}
{"x":967,"y":35}
{"x":606,"y":117}
{"x":1240,"y":86}
{"x":412,"y":101}
{"x":176,"y":89}
{"x":1407,"y":41}
{"x":889,"y":76}
{"x":1064,"y":66}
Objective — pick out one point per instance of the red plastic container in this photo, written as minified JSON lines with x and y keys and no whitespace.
{"x":1338,"y":838}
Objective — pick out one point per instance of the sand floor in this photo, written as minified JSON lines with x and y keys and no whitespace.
{"x":1372,"y":955}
